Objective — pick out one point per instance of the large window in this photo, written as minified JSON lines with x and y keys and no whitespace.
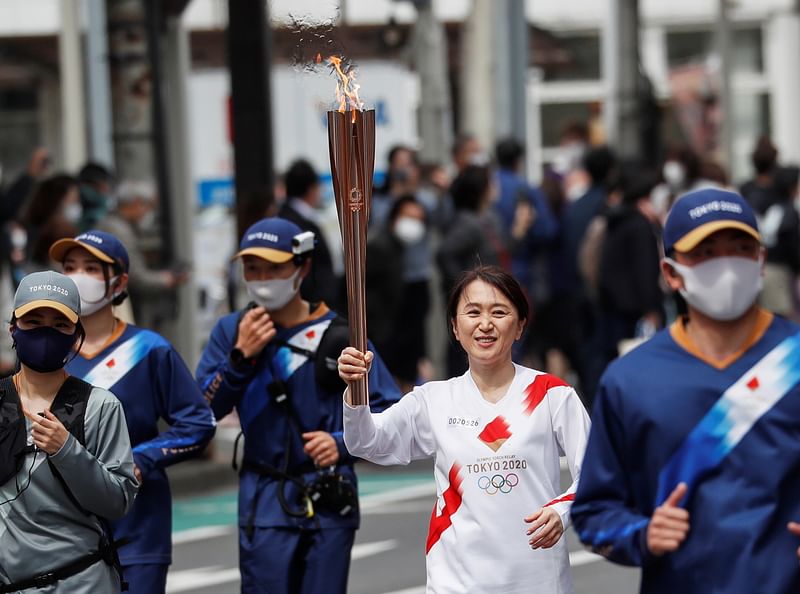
{"x":693,"y":47}
{"x":573,"y":57}
{"x":557,"y":116}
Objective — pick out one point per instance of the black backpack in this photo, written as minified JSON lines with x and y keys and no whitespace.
{"x":69,"y":407}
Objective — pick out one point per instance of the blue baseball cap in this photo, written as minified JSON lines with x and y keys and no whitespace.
{"x":103,"y":246}
{"x":276,"y":240}
{"x":698,"y":214}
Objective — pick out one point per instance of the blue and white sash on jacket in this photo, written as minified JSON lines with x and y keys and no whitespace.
{"x":732,"y":416}
{"x":114,"y":366}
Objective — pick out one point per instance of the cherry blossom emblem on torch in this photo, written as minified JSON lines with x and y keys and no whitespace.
{"x":351,"y":145}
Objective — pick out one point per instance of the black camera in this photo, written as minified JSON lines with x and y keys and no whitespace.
{"x":332,"y":492}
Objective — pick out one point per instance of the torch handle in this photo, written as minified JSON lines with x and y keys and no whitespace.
{"x":356,"y":304}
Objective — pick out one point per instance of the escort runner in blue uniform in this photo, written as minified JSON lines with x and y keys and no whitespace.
{"x":275,"y":363}
{"x":691,"y":470}
{"x":153,"y":383}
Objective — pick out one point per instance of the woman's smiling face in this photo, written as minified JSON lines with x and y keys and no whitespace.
{"x":486,"y":324}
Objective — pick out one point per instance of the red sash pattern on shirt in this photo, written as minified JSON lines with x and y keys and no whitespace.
{"x":452,"y":501}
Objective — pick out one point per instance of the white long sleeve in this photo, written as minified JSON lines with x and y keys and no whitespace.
{"x":571,"y":429}
{"x":398,"y":435}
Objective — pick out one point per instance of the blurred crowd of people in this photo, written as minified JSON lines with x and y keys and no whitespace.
{"x":40,"y":207}
{"x":585,"y":244}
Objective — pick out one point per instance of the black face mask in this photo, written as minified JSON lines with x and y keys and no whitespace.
{"x":43,"y":349}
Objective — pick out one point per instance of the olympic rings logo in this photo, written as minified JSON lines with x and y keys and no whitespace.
{"x":498,"y":483}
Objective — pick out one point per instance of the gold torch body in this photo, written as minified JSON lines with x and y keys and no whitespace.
{"x":351,"y":143}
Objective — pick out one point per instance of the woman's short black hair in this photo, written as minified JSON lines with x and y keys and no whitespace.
{"x":500,"y":280}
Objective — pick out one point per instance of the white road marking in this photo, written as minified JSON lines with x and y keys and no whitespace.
{"x":202,"y":533}
{"x":578,"y":558}
{"x":414,"y":590}
{"x":368,"y":549}
{"x":190,"y":580}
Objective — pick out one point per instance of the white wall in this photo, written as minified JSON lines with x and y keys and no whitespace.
{"x":28,"y":17}
{"x":300,"y":100}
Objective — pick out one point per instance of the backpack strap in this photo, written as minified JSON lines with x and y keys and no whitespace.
{"x":13,"y":436}
{"x":333,"y":341}
{"x":69,"y":407}
{"x":335,"y":338}
{"x":70,"y":404}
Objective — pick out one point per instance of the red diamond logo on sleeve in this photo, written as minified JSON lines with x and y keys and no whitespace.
{"x":495,"y":433}
{"x":753,"y":383}
{"x":310,"y":334}
{"x":111,"y":363}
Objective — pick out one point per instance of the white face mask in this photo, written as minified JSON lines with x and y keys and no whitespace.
{"x":73,"y":212}
{"x":409,"y":230}
{"x":674,"y":175}
{"x":92,"y":292}
{"x":569,"y":157}
{"x":576,"y":191}
{"x":721,"y":288}
{"x":273,"y":294}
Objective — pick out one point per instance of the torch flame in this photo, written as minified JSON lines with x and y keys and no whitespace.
{"x":346,"y":87}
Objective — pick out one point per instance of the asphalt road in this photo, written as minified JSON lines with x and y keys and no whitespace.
{"x":388,"y":557}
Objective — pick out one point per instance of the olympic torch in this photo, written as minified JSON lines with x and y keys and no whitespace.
{"x":351,"y":143}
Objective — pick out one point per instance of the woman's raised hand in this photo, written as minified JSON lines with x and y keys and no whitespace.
{"x":353,"y":364}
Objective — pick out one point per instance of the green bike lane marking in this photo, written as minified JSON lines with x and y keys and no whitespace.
{"x":220,"y":509}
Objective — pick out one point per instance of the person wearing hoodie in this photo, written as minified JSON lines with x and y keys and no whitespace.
{"x":629,"y":296}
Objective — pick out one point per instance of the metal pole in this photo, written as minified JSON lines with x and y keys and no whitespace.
{"x":725,"y":91}
{"x":621,"y":71}
{"x":477,"y":98}
{"x":501,"y":70}
{"x":131,"y":89}
{"x":510,"y":68}
{"x":628,"y":56}
{"x":176,"y":70}
{"x":610,"y":72}
{"x":73,"y":118}
{"x":101,"y":147}
{"x":250,"y":57}
{"x":429,"y":50}
{"x":518,"y":67}
{"x":161,"y":167}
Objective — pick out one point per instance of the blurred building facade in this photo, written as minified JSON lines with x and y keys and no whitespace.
{"x":565,"y":84}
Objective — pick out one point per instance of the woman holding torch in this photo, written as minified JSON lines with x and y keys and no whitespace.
{"x":496,"y":434}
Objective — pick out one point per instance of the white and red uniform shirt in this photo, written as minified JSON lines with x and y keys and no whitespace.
{"x":495,"y":464}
